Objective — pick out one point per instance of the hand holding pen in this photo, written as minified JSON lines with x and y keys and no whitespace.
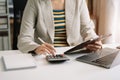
{"x":45,"y":48}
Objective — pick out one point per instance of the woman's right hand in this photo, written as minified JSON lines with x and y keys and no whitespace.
{"x":45,"y":48}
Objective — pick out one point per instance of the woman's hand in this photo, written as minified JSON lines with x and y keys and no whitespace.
{"x":45,"y":48}
{"x":95,"y":46}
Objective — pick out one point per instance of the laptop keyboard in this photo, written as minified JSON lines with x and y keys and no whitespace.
{"x":89,"y":57}
{"x":106,"y":60}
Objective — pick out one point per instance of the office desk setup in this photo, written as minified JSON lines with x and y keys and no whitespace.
{"x":68,"y":70}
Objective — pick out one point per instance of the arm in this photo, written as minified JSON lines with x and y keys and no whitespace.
{"x":26,"y":42}
{"x":26,"y":37}
{"x":87,"y":28}
{"x":87,"y":25}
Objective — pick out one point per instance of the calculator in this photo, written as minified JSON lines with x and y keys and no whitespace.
{"x":57,"y":58}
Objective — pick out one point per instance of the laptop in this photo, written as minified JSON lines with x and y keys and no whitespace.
{"x":106,"y":57}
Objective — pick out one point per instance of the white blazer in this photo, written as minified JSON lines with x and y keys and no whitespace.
{"x":38,"y":21}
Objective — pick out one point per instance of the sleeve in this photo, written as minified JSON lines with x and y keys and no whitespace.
{"x":26,"y":37}
{"x":87,"y":25}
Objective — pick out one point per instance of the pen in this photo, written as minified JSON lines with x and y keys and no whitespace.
{"x":102,"y":37}
{"x":42,"y":43}
{"x":41,"y":40}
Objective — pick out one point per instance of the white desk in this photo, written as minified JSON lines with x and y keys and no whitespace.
{"x":70,"y":70}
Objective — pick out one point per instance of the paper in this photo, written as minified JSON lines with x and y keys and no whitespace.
{"x":18,"y":61}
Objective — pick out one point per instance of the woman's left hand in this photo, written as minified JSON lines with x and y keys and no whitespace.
{"x":95,"y":46}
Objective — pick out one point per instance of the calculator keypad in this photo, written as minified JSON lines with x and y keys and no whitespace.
{"x":56,"y":58}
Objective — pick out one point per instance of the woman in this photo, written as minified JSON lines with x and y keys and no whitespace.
{"x":57,"y":23}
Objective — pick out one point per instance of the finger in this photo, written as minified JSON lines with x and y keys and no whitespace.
{"x":47,"y":49}
{"x":50,"y":51}
{"x":93,"y":47}
{"x":50,"y":46}
{"x":41,"y":50}
{"x":98,"y":43}
{"x":96,"y":46}
{"x":90,"y":48}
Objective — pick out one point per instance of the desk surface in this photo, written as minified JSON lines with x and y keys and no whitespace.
{"x":70,"y":70}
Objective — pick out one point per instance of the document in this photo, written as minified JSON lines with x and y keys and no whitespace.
{"x":18,"y":61}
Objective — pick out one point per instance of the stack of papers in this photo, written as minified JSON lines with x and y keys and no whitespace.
{"x":18,"y":61}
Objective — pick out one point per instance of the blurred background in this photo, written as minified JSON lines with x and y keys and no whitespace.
{"x":104,"y":13}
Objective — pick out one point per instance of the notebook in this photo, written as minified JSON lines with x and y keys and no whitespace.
{"x":107,"y":58}
{"x":18,"y":61}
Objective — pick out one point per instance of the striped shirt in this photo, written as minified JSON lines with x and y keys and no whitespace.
{"x":60,"y":29}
